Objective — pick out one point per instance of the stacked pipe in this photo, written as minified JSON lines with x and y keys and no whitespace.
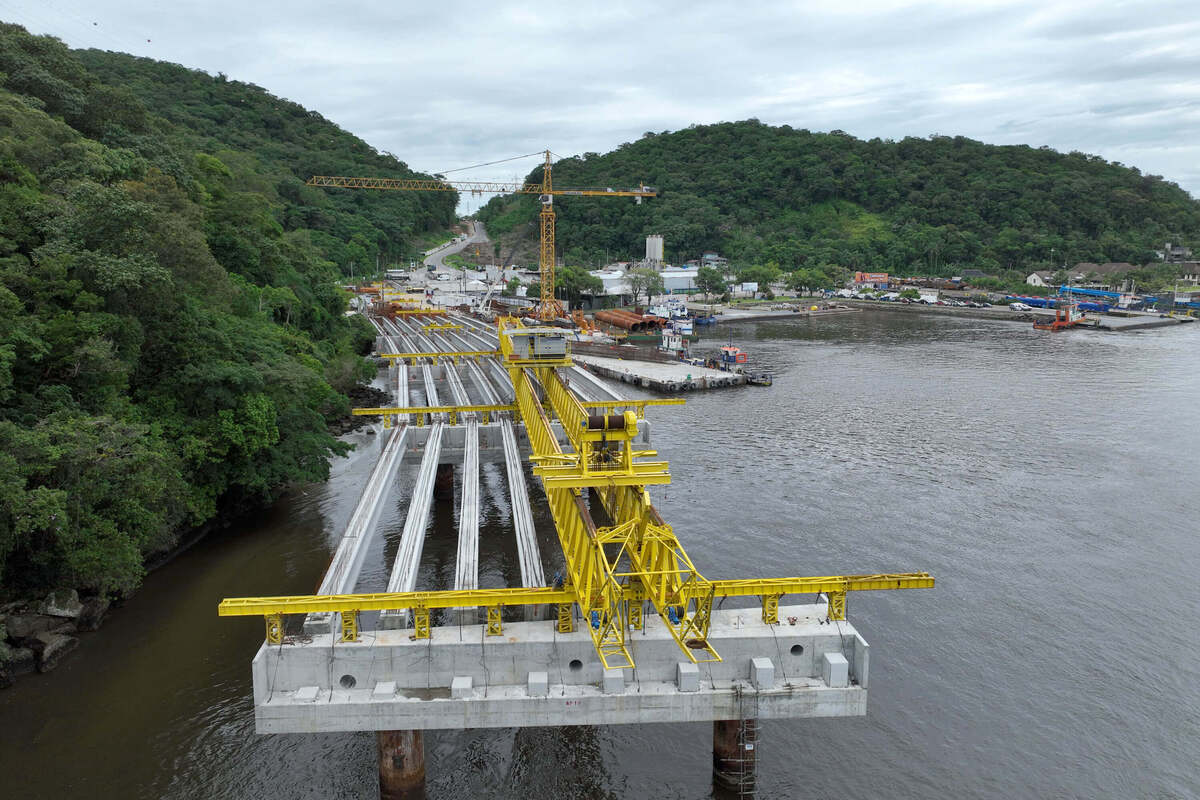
{"x":628,"y":320}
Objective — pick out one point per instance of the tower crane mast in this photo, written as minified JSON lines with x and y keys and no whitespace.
{"x":548,"y":306}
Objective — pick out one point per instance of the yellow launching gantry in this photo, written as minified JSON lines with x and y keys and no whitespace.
{"x":548,"y":307}
{"x":616,"y":565}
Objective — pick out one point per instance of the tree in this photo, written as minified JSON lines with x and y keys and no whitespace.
{"x":573,"y":282}
{"x":808,"y":280}
{"x":710,"y":281}
{"x":762,"y":274}
{"x":916,"y":206}
{"x":510,"y":288}
{"x":644,"y":281}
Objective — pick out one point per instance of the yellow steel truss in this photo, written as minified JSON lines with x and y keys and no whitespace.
{"x":613,"y":569}
{"x":453,"y":356}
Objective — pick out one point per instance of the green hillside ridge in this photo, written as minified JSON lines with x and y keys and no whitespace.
{"x":173,"y":340}
{"x":760,"y":194}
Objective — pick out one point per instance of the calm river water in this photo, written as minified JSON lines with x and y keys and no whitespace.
{"x":1049,"y":482}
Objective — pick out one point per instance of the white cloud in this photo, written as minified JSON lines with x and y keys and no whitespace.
{"x":456,"y":83}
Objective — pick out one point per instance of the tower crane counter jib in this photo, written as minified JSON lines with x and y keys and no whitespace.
{"x":548,"y":306}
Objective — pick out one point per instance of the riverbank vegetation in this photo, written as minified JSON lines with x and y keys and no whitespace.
{"x":173,"y":340}
{"x":795,"y":199}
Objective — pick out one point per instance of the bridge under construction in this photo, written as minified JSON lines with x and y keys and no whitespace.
{"x":629,"y":630}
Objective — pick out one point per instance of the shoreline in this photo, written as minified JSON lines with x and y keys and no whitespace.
{"x":1135,"y":322}
{"x":33,"y":639}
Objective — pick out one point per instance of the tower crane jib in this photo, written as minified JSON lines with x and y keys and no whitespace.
{"x":548,"y":306}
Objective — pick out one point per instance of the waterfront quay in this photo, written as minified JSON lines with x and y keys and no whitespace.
{"x":1124,"y":322}
{"x":669,"y":377}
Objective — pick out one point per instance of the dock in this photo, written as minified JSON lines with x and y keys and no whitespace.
{"x":669,"y":378}
{"x":1129,"y":321}
{"x":799,"y":310}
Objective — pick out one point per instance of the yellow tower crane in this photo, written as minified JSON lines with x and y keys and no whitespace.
{"x":548,"y":306}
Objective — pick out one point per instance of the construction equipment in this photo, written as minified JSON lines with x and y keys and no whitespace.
{"x":582,"y":322}
{"x":612,"y":570}
{"x":484,"y":307}
{"x":548,"y":307}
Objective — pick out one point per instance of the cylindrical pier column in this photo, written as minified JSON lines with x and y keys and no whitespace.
{"x":401,"y":765}
{"x":735,"y":755}
{"x":443,"y":482}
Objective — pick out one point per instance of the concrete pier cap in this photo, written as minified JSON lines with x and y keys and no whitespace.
{"x":532,"y":675}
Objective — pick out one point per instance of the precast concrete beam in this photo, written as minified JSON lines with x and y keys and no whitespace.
{"x":483,"y":384}
{"x":466,"y":565}
{"x":604,"y":392}
{"x":344,"y":568}
{"x":403,"y":577}
{"x":346,"y":564}
{"x":491,"y":443}
{"x":528,"y":553}
{"x":339,"y":680}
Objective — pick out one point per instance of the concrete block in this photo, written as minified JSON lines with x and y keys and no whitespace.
{"x":835,"y":670}
{"x":862,"y":660}
{"x":460,"y":687}
{"x":687,"y":676}
{"x":614,"y":681}
{"x":306,"y":694}
{"x":538,"y":685}
{"x":762,"y":673}
{"x":384,"y":690}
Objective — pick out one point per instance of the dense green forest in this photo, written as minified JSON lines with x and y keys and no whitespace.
{"x":173,"y":340}
{"x":761,"y":194}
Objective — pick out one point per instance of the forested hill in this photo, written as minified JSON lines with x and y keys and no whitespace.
{"x":172,"y":335}
{"x":758,"y":194}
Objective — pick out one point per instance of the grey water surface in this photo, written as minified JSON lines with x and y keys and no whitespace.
{"x":1050,"y":482}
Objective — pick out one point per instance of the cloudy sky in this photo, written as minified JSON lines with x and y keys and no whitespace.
{"x":450,"y":84}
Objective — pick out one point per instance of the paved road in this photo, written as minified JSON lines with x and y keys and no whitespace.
{"x":477,"y":236}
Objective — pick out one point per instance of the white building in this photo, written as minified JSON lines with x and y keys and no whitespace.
{"x":679,"y":280}
{"x":1043,"y":278}
{"x":613,"y":279}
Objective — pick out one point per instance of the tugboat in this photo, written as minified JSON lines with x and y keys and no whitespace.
{"x":1066,"y":315}
{"x":675,"y":342}
{"x":732,"y":356}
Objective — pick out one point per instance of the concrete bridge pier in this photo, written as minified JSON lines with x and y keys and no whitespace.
{"x":401,"y":765}
{"x":735,"y":757}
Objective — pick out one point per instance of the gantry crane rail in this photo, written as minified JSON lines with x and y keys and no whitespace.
{"x":614,"y":569}
{"x":548,"y":307}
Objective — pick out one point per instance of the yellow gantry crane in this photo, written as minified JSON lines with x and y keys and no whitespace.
{"x":548,"y":306}
{"x":614,"y":569}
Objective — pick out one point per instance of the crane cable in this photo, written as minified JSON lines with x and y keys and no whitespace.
{"x":489,"y":163}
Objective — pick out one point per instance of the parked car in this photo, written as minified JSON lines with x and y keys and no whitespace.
{"x":1020,"y":307}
